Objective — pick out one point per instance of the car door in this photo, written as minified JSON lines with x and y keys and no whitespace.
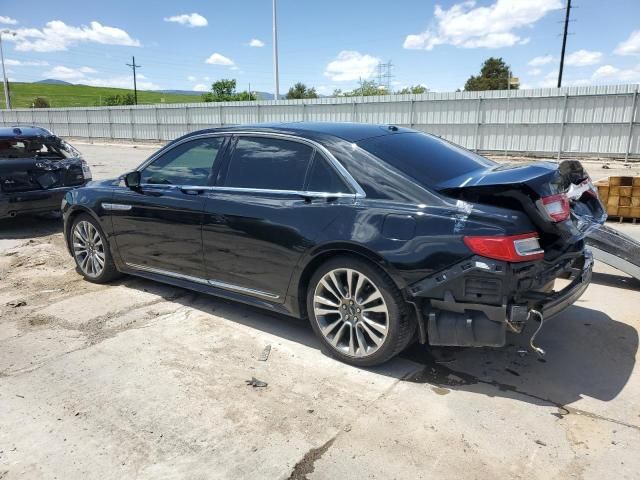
{"x":273,"y":198}
{"x":158,"y":226}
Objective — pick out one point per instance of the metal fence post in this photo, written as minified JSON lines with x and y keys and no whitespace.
{"x":68,"y":123}
{"x":506,"y":126}
{"x":631,"y":120}
{"x":86,"y":114}
{"x":133,"y":128}
{"x":476,"y":138}
{"x":564,"y":121}
{"x":110,"y":120}
{"x":221,"y":116}
{"x":259,"y":113}
{"x":304,"y":112}
{"x":49,"y":120}
{"x":33,"y":116}
{"x":411,"y":112}
{"x":157,"y":118}
{"x":188,"y":117}
{"x":354,"y":112}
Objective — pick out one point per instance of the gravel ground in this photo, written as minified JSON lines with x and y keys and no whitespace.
{"x":142,"y":380}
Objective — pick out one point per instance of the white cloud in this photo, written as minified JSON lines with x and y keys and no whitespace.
{"x":57,"y":35}
{"x":189,"y":19}
{"x":61,"y":72}
{"x":86,"y":76}
{"x":8,"y":20}
{"x":631,"y":46}
{"x":610,"y":73}
{"x":582,"y":58}
{"x":539,"y":61}
{"x":256,"y":43}
{"x":124,"y":81}
{"x":29,"y":63}
{"x":200,"y":87}
{"x":534,"y":71}
{"x":350,"y":65}
{"x":465,"y":25}
{"x":218,"y":59}
{"x":191,"y":78}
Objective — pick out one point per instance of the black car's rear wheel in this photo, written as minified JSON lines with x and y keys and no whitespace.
{"x":91,"y":250}
{"x":357,"y":312}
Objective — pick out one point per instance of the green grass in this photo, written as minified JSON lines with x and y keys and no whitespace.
{"x":23,"y":94}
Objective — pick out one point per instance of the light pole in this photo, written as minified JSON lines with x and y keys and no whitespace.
{"x":276,"y":94}
{"x":7,"y":99}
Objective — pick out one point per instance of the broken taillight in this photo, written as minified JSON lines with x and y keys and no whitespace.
{"x":510,"y":248}
{"x":557,"y":207}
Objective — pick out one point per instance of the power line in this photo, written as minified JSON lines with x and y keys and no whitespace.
{"x":135,"y":86}
{"x":564,"y":42}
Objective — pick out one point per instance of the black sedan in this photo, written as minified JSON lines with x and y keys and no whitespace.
{"x":379,"y":235}
{"x":37,"y":169}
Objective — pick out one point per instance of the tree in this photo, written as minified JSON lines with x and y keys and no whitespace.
{"x":41,"y":102}
{"x":494,"y":75}
{"x":115,"y":100}
{"x":300,"y":90}
{"x":224,"y":90}
{"x":366,"y":89}
{"x":415,"y":89}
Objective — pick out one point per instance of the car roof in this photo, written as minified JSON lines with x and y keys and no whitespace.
{"x":351,"y":132}
{"x":20,"y":131}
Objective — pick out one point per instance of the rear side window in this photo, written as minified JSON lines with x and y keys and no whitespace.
{"x":268,"y":163}
{"x":428,"y":160}
{"x":323,"y":178}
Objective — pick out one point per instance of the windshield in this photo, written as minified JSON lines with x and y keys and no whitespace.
{"x":36,"y":147}
{"x":427,"y":159}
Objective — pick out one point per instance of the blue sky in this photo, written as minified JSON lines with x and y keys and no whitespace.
{"x":327,"y":44}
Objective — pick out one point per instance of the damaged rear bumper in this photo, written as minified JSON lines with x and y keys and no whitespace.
{"x":475,"y":302}
{"x":36,"y":201}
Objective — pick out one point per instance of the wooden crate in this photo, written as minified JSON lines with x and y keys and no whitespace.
{"x":621,"y":195}
{"x":621,"y":181}
{"x":636,"y":182}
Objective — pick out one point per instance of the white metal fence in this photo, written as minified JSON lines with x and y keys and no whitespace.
{"x":597,"y":120}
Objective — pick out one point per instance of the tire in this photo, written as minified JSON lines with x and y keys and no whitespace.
{"x":365,"y":324}
{"x":91,"y":250}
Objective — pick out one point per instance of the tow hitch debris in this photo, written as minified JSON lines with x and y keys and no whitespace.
{"x":254,"y":382}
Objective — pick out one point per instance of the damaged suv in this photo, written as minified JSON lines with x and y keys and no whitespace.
{"x":36,"y":170}
{"x":377,"y":234}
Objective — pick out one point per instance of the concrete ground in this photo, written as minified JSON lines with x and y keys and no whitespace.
{"x":142,"y":380}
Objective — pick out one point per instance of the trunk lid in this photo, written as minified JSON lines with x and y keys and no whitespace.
{"x":525,"y":186}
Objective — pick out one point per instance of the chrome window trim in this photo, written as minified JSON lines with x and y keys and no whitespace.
{"x":346,"y":176}
{"x":204,"y":281}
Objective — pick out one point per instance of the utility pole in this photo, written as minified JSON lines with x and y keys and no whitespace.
{"x":7,"y":97}
{"x":135,"y":86}
{"x":564,"y":42}
{"x":276,"y":94}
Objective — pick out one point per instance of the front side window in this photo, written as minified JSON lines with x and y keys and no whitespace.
{"x":187,"y":164}
{"x":268,"y":163}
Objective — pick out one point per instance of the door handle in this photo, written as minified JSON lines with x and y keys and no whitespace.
{"x":192,"y":190}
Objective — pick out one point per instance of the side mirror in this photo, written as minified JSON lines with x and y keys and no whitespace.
{"x":132,"y":180}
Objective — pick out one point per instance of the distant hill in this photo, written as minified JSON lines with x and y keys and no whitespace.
{"x":53,"y":81}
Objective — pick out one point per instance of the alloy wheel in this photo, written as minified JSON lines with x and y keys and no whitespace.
{"x":351,"y":312}
{"x":88,"y":249}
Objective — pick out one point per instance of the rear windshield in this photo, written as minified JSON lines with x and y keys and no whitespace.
{"x":51,"y":147}
{"x":428,"y":160}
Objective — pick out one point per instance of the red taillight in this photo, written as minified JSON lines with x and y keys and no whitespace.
{"x":557,"y":207}
{"x":511,"y":248}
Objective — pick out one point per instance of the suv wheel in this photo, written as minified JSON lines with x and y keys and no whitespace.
{"x":357,"y":312}
{"x":91,"y":250}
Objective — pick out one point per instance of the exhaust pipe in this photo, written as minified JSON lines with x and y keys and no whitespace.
{"x":12,"y":214}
